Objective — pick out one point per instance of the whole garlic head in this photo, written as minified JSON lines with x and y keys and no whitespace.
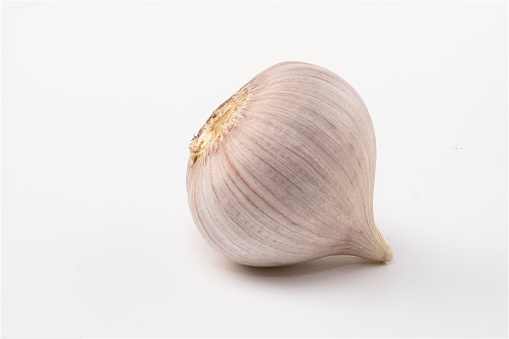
{"x":283,"y":171}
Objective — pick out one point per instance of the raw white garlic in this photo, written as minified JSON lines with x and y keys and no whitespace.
{"x":283,"y":171}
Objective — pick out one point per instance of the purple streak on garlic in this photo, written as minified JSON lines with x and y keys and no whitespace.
{"x":283,"y":171}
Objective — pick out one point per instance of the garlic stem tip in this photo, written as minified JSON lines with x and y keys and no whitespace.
{"x":389,"y":256}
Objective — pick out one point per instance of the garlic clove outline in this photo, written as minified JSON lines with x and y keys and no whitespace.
{"x":283,"y":171}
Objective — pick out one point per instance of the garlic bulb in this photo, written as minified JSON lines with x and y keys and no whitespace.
{"x":283,"y":171}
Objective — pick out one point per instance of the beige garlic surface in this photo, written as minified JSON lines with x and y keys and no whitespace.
{"x":283,"y":171}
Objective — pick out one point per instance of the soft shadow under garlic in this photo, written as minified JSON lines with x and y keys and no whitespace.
{"x":337,"y":263}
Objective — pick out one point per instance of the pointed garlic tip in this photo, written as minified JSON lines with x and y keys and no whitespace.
{"x":389,"y":256}
{"x":283,"y":171}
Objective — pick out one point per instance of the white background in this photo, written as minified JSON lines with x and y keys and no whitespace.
{"x":100,"y":101}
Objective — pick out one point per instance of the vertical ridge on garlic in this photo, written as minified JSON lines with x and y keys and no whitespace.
{"x":283,"y":171}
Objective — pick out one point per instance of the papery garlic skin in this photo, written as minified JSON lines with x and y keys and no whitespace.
{"x":283,"y":172}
